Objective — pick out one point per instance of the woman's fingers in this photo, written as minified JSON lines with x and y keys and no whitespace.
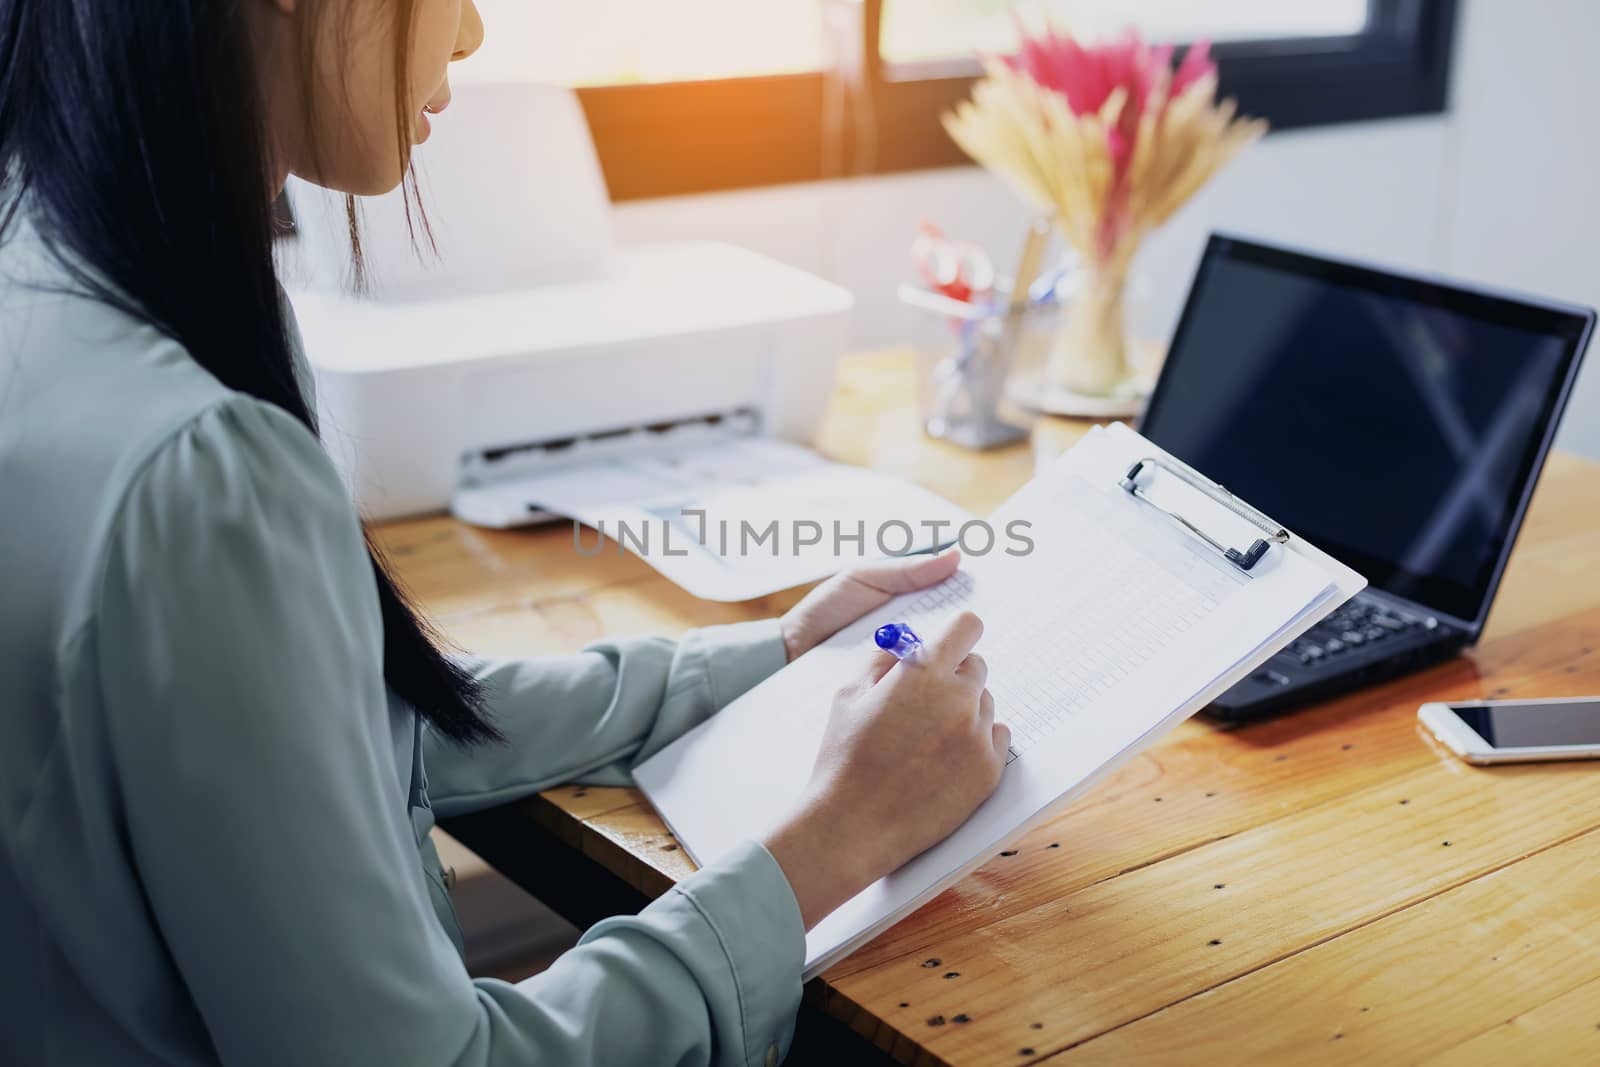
{"x":879,"y":665}
{"x":910,"y":760}
{"x":957,"y":638}
{"x":951,"y":649}
{"x":908,"y":573}
{"x":1002,"y":741}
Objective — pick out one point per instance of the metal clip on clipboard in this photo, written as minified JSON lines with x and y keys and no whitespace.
{"x":1244,"y":559}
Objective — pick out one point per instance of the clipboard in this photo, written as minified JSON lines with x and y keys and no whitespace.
{"x":1245,"y":559}
{"x":1129,"y":617}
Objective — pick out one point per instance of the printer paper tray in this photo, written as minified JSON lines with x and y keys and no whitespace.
{"x":728,"y":519}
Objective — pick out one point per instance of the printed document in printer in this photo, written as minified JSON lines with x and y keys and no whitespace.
{"x":730,"y":520}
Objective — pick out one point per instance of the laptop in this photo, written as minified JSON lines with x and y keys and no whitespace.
{"x":1397,"y":422}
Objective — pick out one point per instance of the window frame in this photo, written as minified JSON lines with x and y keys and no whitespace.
{"x":681,"y":138}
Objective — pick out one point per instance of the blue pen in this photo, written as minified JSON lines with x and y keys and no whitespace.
{"x":897,"y":639}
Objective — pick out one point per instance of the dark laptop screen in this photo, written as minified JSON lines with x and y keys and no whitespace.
{"x":1393,"y":422}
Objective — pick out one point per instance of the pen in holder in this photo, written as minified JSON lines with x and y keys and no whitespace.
{"x":962,"y":393}
{"x":962,"y":379}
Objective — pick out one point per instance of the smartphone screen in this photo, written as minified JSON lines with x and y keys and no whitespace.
{"x":1534,"y":725}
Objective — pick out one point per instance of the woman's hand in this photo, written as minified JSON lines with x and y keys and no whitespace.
{"x":844,"y":598}
{"x":911,"y":749}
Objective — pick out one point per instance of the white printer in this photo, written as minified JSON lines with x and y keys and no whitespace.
{"x":533,"y":338}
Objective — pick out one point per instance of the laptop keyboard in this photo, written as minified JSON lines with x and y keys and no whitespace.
{"x":1355,"y":625}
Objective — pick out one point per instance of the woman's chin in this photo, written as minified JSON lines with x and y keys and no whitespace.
{"x":368,"y":173}
{"x":376,"y":182}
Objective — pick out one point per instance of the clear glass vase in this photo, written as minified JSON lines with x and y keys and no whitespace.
{"x":1090,"y":353}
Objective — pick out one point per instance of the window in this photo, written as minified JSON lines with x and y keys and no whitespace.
{"x":628,"y":42}
{"x":698,"y":95}
{"x":921,"y":30}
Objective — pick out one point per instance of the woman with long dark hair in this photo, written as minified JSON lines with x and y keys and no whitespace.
{"x":225,"y":731}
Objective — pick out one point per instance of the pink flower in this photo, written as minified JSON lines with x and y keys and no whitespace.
{"x":1087,"y":75}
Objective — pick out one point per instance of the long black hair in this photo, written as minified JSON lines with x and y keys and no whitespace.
{"x":136,"y":135}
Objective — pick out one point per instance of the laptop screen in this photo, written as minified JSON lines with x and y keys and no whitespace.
{"x":1395,"y":423}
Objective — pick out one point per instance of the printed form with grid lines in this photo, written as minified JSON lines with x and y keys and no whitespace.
{"x":1115,"y":627}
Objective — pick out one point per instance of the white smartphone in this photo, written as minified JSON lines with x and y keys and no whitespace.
{"x":1517,"y":731}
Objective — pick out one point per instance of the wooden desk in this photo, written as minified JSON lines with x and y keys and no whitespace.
{"x":1326,"y":887}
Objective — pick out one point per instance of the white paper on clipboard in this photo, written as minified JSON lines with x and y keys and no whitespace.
{"x":1116,"y":627}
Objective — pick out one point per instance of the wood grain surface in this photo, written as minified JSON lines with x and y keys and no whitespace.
{"x":1327,"y":887}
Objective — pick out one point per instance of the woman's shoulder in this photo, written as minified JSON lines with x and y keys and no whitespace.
{"x":110,"y":432}
{"x":237,"y":495}
{"x":238,"y":463}
{"x":79,"y":375}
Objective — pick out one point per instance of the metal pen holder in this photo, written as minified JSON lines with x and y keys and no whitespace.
{"x":962,"y":376}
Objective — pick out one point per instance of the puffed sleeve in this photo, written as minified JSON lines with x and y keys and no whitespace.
{"x":592,"y":716}
{"x":240,"y":650}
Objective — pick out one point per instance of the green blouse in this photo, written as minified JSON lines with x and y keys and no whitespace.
{"x":213,"y":816}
